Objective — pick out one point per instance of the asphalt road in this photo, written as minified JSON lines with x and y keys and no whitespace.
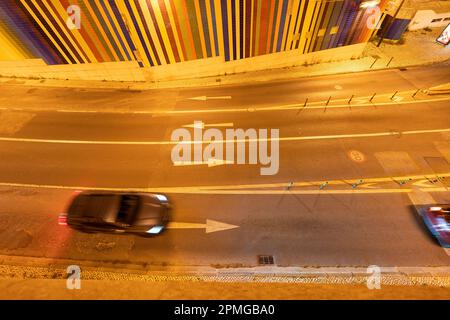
{"x":52,"y":146}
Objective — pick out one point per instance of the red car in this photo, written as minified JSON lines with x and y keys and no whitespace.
{"x":437,"y":219}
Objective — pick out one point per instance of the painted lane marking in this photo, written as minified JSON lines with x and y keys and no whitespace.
{"x":367,"y":182}
{"x":210,"y":163}
{"x":202,"y":125}
{"x":210,"y":226}
{"x":205,"y":98}
{"x":197,"y":190}
{"x":312,"y":105}
{"x":282,"y":139}
{"x":357,"y":156}
{"x":297,"y":106}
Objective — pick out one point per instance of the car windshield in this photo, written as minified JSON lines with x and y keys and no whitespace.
{"x":127,"y":209}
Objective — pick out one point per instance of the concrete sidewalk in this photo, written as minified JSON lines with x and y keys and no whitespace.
{"x":13,"y":289}
{"x":43,"y":278}
{"x":417,"y":48}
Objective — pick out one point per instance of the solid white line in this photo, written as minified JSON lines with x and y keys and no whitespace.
{"x":282,"y":139}
{"x":198,"y":190}
{"x":311,"y":105}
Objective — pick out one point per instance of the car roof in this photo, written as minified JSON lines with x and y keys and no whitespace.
{"x":95,"y":205}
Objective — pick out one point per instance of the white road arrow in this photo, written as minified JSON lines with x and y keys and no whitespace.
{"x":210,"y":226}
{"x":202,"y":125}
{"x":210,"y":163}
{"x":205,"y":98}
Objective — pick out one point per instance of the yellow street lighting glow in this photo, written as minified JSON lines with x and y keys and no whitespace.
{"x":369,"y":4}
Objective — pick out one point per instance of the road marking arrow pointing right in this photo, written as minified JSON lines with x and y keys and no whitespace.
{"x":210,"y":226}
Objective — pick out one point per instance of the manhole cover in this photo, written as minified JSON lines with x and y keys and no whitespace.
{"x":266,"y":260}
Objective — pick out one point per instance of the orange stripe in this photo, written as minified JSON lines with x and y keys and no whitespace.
{"x":269,"y":33}
{"x":189,"y":32}
{"x":178,"y":28}
{"x":263,"y":25}
{"x":86,"y":36}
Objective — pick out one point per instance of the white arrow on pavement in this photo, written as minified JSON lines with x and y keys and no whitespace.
{"x":210,"y":163}
{"x":210,"y":226}
{"x":202,"y":125}
{"x":205,"y":98}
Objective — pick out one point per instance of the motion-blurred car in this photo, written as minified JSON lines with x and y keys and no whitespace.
{"x":437,"y":219}
{"x":141,"y":214}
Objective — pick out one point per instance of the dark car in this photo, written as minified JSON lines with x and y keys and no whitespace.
{"x":437,"y":219}
{"x":141,"y":214}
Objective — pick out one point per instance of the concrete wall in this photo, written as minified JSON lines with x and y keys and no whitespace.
{"x":130,"y":71}
{"x":37,"y":68}
{"x":424,"y":19}
{"x":217,"y":66}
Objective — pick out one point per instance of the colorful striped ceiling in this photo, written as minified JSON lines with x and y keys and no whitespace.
{"x":160,"y":32}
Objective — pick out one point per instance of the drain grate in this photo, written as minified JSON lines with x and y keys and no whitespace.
{"x":266,"y":260}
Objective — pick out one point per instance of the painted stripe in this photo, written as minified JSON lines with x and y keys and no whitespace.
{"x":58,"y":13}
{"x":118,"y":30}
{"x":90,"y":34}
{"x":101,"y":38}
{"x":220,"y":30}
{"x":153,"y":37}
{"x":177,"y":27}
{"x":283,"y":25}
{"x":123,"y":28}
{"x":160,"y":32}
{"x":226,"y":31}
{"x":270,"y":27}
{"x":136,"y":26}
{"x":281,"y":139}
{"x":215,"y":24}
{"x":47,"y":32}
{"x":187,"y":29}
{"x":110,"y":30}
{"x":201,"y":29}
{"x":233,"y":26}
{"x":161,"y":29}
{"x":195,"y":190}
{"x":208,"y":25}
